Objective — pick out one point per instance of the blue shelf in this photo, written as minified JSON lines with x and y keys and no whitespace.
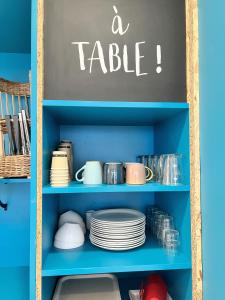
{"x":89,"y":259}
{"x":112,"y":113}
{"x":14,"y":180}
{"x":75,"y":187}
{"x":14,"y":283}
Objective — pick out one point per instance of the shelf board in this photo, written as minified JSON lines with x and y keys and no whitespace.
{"x":112,"y":112}
{"x":14,"y":283}
{"x":89,"y":259}
{"x":77,"y":188}
{"x":14,"y":180}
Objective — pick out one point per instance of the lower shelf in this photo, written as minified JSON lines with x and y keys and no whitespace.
{"x":14,"y":283}
{"x":89,"y":259}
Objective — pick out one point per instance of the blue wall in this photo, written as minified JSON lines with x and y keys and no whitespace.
{"x":15,"y":24}
{"x":212,"y":89}
{"x":14,"y":233}
{"x":15,"y":66}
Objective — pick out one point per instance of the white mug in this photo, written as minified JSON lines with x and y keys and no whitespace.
{"x":92,"y":173}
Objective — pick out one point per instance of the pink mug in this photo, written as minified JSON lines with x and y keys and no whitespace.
{"x":136,"y":173}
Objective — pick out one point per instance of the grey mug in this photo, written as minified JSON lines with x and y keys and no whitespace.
{"x":114,"y":173}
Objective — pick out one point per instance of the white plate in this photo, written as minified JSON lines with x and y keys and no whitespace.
{"x":116,"y":226}
{"x":117,"y":232}
{"x":117,"y":242}
{"x":120,"y":248}
{"x":118,"y":236}
{"x":118,"y":216}
{"x":120,"y":225}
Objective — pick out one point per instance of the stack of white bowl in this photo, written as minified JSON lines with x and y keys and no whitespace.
{"x":59,"y":176}
{"x":71,"y":231}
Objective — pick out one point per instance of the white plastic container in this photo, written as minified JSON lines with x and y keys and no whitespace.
{"x":87,"y":287}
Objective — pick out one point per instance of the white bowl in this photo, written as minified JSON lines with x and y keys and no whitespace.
{"x":69,"y":236}
{"x":71,"y":217}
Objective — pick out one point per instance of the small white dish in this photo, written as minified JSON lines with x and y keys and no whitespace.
{"x":69,"y":236}
{"x":71,"y":217}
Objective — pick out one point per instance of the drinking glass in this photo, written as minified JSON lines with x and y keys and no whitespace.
{"x":152,"y":162}
{"x":166,"y":224}
{"x":172,"y":172}
{"x":142,"y":159}
{"x":172,"y":241}
{"x":160,"y":165}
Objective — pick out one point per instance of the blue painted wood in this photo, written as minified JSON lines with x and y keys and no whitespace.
{"x":74,"y":188}
{"x":95,"y":201}
{"x":178,"y":206}
{"x":111,"y":113}
{"x":14,"y":283}
{"x":179,"y":284}
{"x":14,"y":233}
{"x":14,"y":66}
{"x":212,"y":109}
{"x":15,"y":22}
{"x":48,"y":287}
{"x":119,"y":104}
{"x":33,"y":199}
{"x":92,"y":260}
{"x":14,"y":180}
{"x":172,"y":136}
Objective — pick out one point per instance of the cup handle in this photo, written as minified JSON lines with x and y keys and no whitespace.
{"x":149,"y":174}
{"x":76,"y":175}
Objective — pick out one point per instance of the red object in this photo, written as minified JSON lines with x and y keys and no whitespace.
{"x":154,"y":289}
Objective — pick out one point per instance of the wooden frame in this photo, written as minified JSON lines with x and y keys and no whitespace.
{"x":192,"y":98}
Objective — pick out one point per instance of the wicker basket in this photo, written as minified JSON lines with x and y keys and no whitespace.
{"x":13,"y":89}
{"x":15,"y":166}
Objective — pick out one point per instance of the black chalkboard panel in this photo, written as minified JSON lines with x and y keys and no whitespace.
{"x":123,"y":50}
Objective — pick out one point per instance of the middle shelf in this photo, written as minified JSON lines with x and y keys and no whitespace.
{"x":75,"y":187}
{"x":89,"y":259}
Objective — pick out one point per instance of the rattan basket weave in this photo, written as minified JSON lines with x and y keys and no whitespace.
{"x":14,"y":166}
{"x":13,"y":89}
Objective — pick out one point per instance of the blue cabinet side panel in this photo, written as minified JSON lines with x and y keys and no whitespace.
{"x":15,"y":66}
{"x":15,"y":18}
{"x":14,"y":224}
{"x":212,"y":97}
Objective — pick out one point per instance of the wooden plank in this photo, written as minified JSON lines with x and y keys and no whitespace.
{"x":40,"y":86}
{"x":193,"y":98}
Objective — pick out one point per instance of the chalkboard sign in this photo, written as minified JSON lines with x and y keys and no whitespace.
{"x":123,"y":50}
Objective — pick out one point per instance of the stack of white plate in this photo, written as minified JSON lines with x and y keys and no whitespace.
{"x":117,"y":229}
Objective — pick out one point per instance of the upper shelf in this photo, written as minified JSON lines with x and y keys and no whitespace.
{"x":112,"y":113}
{"x":15,"y":24}
{"x":77,"y":188}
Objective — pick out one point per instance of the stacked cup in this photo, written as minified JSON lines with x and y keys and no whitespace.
{"x":71,"y":231}
{"x":59,"y":169}
{"x":67,"y":146}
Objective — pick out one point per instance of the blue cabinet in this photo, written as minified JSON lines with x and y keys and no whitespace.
{"x":137,"y":128}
